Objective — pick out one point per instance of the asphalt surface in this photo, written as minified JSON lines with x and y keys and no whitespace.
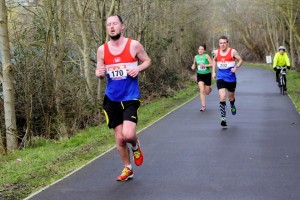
{"x":189,"y":156}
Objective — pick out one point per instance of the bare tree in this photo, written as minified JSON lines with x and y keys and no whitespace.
{"x":290,"y":12}
{"x":101,"y":18}
{"x":2,"y":136}
{"x":283,"y":25}
{"x":81,"y":9}
{"x":7,"y":82}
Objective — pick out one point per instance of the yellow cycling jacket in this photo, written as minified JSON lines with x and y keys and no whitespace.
{"x":281,"y":60}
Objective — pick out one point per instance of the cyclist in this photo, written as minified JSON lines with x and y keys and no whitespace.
{"x":280,"y":60}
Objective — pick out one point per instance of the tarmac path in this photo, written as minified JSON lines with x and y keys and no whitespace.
{"x":189,"y":156}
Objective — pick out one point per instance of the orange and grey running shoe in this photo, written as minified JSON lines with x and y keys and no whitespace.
{"x":126,"y":174}
{"x":138,"y":156}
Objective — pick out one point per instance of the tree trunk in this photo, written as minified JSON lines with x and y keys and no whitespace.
{"x":80,"y":12}
{"x":271,"y":32}
{"x":8,"y":80}
{"x":2,"y":136}
{"x":105,"y":37}
{"x":292,"y":20}
{"x":111,"y":12}
{"x":101,"y":23}
{"x":2,"y":148}
{"x":59,"y":48}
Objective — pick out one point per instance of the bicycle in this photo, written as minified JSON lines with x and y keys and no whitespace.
{"x":282,"y":80}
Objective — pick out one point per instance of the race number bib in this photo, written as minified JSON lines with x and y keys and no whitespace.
{"x":201,"y":68}
{"x":117,"y":72}
{"x":226,"y":65}
{"x":222,"y":65}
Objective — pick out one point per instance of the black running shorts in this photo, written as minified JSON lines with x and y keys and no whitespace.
{"x":230,"y":86}
{"x":117,"y":112}
{"x":206,"y":78}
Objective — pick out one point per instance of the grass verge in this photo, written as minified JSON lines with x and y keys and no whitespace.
{"x":47,"y":161}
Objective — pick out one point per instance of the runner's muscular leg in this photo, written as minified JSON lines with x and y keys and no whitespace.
{"x":222,"y":94}
{"x":122,"y":145}
{"x":201,"y":86}
{"x":129,"y":132}
{"x":231,"y":96}
{"x":202,"y":92}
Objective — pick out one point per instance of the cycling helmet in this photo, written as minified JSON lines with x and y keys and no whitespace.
{"x":281,"y":48}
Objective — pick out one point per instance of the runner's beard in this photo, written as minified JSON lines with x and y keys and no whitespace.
{"x":115,"y":37}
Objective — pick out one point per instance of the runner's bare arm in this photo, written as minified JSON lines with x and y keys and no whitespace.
{"x":194,"y":64}
{"x":209,"y":60}
{"x":213,"y":74}
{"x":100,"y":70}
{"x":239,"y":60}
{"x":142,"y":56}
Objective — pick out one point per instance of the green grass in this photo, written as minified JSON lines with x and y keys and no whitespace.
{"x":259,"y":65}
{"x":293,"y":85}
{"x":50,"y":160}
{"x":47,"y":161}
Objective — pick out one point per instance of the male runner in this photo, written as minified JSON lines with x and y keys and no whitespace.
{"x":121,"y":59}
{"x":227,"y":61}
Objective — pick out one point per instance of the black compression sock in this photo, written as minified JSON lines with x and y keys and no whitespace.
{"x":232,"y":102}
{"x":223,"y":108}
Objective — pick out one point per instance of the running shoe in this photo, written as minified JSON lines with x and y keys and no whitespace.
{"x":125,"y":175}
{"x":233,"y":110}
{"x":138,"y":156}
{"x":202,"y":108}
{"x":223,"y":121}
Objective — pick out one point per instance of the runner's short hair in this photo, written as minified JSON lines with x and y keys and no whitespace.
{"x":203,"y":45}
{"x":120,"y":18}
{"x":223,"y":37}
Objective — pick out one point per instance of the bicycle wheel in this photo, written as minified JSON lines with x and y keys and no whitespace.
{"x":282,"y":84}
